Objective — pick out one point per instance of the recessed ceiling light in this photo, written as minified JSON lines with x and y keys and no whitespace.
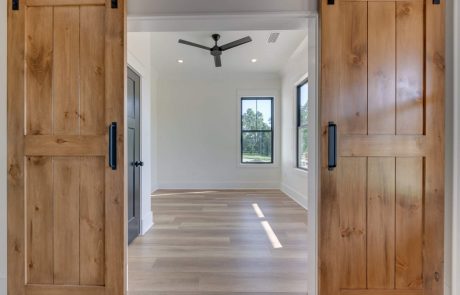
{"x":254,"y":60}
{"x":181,"y":61}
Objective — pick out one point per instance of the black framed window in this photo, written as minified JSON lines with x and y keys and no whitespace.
{"x":302,"y":125}
{"x":257,"y":130}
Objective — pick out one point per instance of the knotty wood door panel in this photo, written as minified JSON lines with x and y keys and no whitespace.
{"x":382,"y":207}
{"x":66,"y":206}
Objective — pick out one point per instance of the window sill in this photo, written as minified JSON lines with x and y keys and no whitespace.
{"x":263,"y":166}
{"x":301,"y":171}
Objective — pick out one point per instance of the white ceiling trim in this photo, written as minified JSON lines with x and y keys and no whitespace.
{"x":220,"y":22}
{"x":214,"y":7}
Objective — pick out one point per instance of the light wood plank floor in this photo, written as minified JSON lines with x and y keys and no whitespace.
{"x":221,"y":242}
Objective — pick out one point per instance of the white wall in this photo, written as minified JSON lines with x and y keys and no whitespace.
{"x":314,"y":162}
{"x":294,"y":181}
{"x":3,"y":142}
{"x":198,"y":127}
{"x":154,"y":131}
{"x":139,"y":60}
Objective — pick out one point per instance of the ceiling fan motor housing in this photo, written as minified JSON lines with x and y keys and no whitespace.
{"x":216,"y":37}
{"x":216,"y":50}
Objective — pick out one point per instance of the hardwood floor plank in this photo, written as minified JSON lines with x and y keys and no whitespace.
{"x":214,"y":242}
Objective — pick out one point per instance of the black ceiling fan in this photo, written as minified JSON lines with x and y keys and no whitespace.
{"x":217,"y":50}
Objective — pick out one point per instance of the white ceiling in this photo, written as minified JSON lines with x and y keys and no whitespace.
{"x":271,"y":57}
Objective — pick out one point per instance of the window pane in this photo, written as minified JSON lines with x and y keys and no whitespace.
{"x":257,"y":147}
{"x":248,"y":114}
{"x":302,"y":161}
{"x":303,"y":100}
{"x":264,"y":115}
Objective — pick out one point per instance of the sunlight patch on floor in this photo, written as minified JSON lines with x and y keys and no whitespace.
{"x":271,"y":235}
{"x":268,"y":229}
{"x":259,"y":212}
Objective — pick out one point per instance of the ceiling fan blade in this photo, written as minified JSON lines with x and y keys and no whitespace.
{"x":236,"y":43}
{"x":217,"y":61}
{"x":193,"y":44}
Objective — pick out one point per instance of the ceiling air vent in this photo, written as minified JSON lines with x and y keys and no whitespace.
{"x":273,"y":37}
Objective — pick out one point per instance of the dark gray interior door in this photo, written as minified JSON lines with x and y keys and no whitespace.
{"x":134,"y":161}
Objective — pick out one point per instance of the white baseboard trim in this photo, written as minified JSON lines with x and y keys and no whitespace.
{"x":3,"y":289}
{"x":220,"y":185}
{"x":299,"y":198}
{"x":146,"y":223}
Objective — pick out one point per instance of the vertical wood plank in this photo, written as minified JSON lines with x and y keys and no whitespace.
{"x":92,"y":219}
{"x":92,"y":83}
{"x":409,"y":67}
{"x":381,"y":73}
{"x":434,"y":178}
{"x":66,"y":70}
{"x":381,"y":223}
{"x":39,"y":60}
{"x":351,"y":195}
{"x":116,"y":191}
{"x":39,"y":192}
{"x":15,"y":162}
{"x":66,"y":221}
{"x":352,"y":103}
{"x":409,"y":223}
{"x":329,"y":282}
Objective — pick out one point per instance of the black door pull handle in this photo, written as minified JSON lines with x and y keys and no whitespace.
{"x":331,"y":146}
{"x":113,"y":146}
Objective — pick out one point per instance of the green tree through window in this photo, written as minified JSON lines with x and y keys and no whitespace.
{"x":257,"y":130}
{"x":302,"y":125}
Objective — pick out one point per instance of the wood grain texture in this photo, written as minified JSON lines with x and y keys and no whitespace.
{"x":409,"y":223}
{"x":383,"y":145}
{"x":213,"y":242}
{"x":381,"y":292}
{"x":406,"y":42}
{"x":63,"y":2}
{"x":92,"y":221}
{"x":116,"y":190}
{"x":67,"y":290}
{"x":409,"y":69}
{"x":40,"y":203}
{"x":352,"y":103}
{"x":66,"y":221}
{"x":433,"y":259}
{"x":44,"y":145}
{"x":39,"y":70}
{"x":329,"y":276}
{"x":381,"y":73}
{"x":66,"y":96}
{"x":15,"y":152}
{"x":55,"y":246}
{"x":92,"y":69}
{"x":381,"y":223}
{"x":382,"y":0}
{"x":351,"y":194}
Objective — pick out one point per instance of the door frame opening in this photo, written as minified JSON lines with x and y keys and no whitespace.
{"x":281,"y":21}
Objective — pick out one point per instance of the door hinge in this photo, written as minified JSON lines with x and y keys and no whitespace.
{"x":436,"y":2}
{"x":330,"y":2}
{"x":15,"y":4}
{"x":114,"y":3}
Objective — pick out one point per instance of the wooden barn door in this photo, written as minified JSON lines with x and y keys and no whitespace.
{"x":382,"y":206}
{"x":66,"y":77}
